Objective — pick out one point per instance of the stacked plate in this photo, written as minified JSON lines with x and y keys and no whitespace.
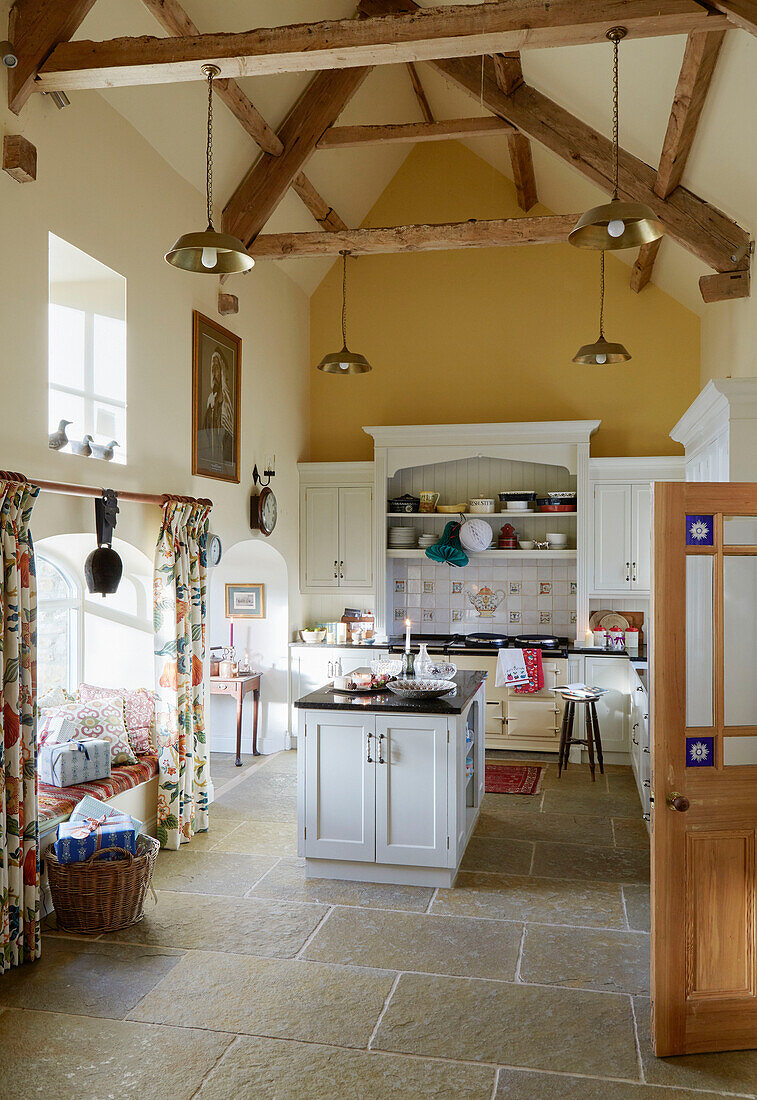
{"x":403,"y":538}
{"x":427,"y":540}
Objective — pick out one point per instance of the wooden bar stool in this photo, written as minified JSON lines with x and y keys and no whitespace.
{"x":592,"y":740}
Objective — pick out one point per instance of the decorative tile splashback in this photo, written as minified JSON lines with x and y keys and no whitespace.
{"x":538,"y":596}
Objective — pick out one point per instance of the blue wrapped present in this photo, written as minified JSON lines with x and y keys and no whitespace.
{"x":67,"y":763}
{"x":80,"y":839}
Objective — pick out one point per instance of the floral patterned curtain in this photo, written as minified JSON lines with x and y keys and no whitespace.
{"x":19,"y":828}
{"x":180,"y":588}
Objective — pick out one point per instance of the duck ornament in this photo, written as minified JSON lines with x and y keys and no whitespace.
{"x":97,"y":450}
{"x":58,"y":439}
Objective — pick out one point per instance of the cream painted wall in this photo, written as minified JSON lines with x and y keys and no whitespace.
{"x":102,"y":187}
{"x":488,"y":335}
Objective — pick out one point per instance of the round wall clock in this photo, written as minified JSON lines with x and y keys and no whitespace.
{"x":215,"y":549}
{"x":263,"y":511}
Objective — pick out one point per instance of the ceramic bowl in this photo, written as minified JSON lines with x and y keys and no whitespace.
{"x":481,"y":505}
{"x":312,"y":637}
{"x":557,"y":539}
{"x":421,"y":689}
{"x":527,"y":545}
{"x":452,"y":509}
{"x":517,"y":506}
{"x":516,"y":494}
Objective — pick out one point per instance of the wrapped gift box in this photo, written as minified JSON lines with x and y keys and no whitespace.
{"x":66,"y":763}
{"x":93,"y":807}
{"x":79,"y":839}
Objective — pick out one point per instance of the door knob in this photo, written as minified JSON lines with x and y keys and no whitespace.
{"x":678,"y":802}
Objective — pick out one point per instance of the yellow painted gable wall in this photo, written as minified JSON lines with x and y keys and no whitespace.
{"x":488,"y":335}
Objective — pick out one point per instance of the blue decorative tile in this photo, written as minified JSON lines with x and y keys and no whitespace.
{"x":699,"y":530}
{"x":700,"y":752}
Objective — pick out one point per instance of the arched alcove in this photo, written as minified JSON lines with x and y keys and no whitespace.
{"x":266,"y":640}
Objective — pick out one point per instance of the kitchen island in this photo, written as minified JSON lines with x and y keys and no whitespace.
{"x":389,"y":789}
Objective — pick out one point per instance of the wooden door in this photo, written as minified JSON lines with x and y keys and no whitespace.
{"x":340,"y":786}
{"x":612,"y":537}
{"x":641,"y":536}
{"x":704,"y":758}
{"x":355,"y":536}
{"x":411,"y":790}
{"x":320,"y":544}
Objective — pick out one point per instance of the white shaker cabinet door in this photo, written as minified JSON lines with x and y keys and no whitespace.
{"x":355,"y":536}
{"x":614,"y":707}
{"x":411,"y":790}
{"x":612,"y":537}
{"x":321,"y":537}
{"x":641,"y":547}
{"x":340,"y":796}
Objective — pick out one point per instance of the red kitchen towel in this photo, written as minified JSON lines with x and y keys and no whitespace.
{"x":535,"y":671}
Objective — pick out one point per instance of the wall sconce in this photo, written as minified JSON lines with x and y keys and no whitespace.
{"x":103,"y":567}
{"x":269,"y":472}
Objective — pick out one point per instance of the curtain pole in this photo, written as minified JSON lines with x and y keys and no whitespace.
{"x":67,"y":489}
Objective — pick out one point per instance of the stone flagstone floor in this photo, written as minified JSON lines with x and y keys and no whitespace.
{"x":528,"y":980}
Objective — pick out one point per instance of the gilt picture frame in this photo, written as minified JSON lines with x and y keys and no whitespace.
{"x":245,"y":601}
{"x":216,"y":399}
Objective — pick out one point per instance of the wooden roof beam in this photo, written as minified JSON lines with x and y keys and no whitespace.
{"x":501,"y":26}
{"x":697,"y":225}
{"x":420,"y":94}
{"x":406,"y":133}
{"x":740,"y":13}
{"x":35,"y":27}
{"x":698,"y":65}
{"x":267,"y":181}
{"x":498,"y":233}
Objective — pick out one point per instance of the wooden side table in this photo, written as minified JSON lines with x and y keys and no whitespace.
{"x":238,"y":687}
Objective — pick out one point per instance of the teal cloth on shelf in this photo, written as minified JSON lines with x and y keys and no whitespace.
{"x":448,"y":548}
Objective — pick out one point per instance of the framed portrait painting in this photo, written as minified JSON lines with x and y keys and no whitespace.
{"x":245,"y":601}
{"x":216,"y":407}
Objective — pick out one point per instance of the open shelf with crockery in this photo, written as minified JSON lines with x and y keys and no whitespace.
{"x":563,"y":555}
{"x":496,"y":516}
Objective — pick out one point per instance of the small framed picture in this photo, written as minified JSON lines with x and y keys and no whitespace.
{"x":245,"y":601}
{"x":216,"y":383}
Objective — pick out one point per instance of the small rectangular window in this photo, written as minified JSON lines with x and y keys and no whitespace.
{"x":86,"y":354}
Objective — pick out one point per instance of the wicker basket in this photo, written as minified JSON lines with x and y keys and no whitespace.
{"x":102,"y":895}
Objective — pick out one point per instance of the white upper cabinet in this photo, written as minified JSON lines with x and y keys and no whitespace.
{"x":622,"y":521}
{"x":336,"y":526}
{"x":612,"y":538}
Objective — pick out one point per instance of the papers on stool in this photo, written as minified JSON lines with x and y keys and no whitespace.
{"x":580,"y":691}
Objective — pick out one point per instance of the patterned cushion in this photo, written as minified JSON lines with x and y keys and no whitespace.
{"x":139,"y":711}
{"x":100,"y":718}
{"x":53,"y":697}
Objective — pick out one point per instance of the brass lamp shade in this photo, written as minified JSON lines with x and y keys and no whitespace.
{"x":344,"y":362}
{"x":231,"y":256}
{"x":638,"y":225}
{"x":601,"y":352}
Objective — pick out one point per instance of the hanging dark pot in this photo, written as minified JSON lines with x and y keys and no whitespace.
{"x":103,"y":567}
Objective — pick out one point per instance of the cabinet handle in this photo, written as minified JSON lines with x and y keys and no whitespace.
{"x":336,"y":574}
{"x":628,"y":571}
{"x":647,"y":817}
{"x":646,"y":783}
{"x":633,"y":575}
{"x":639,"y":688}
{"x":341,"y":570}
{"x":381,"y":754}
{"x":370,"y":759}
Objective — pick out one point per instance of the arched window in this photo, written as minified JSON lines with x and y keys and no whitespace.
{"x":58,"y":626}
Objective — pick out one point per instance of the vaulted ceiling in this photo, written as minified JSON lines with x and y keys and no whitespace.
{"x":721,"y":167}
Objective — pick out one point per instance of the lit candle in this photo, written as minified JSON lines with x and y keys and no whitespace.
{"x":589,"y":638}
{"x":407,"y":635}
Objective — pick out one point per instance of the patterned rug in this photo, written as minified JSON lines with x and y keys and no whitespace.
{"x":513,"y":778}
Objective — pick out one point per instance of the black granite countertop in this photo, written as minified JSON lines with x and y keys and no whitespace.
{"x":326,"y":698}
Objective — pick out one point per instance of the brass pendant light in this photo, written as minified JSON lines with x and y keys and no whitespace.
{"x":601,"y":351}
{"x":344,"y":361}
{"x":616,"y":224}
{"x":209,"y":252}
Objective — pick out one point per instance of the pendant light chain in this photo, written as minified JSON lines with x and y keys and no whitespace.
{"x":602,"y":297}
{"x":615,"y":113}
{"x":211,"y":71}
{"x":344,"y":298}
